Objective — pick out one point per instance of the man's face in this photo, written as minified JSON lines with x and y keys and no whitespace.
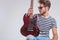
{"x":42,"y":9}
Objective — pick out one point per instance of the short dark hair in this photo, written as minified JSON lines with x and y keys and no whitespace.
{"x":45,"y":2}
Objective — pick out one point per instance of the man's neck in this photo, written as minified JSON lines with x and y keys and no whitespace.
{"x":45,"y":15}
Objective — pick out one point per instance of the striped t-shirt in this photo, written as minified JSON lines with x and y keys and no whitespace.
{"x":45,"y":24}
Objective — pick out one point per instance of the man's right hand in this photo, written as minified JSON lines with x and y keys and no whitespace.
{"x":30,"y":11}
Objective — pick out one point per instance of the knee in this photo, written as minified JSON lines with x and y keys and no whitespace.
{"x":30,"y":37}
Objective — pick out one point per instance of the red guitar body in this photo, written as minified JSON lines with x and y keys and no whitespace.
{"x":30,"y":26}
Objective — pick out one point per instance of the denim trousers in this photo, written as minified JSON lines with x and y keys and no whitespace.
{"x":30,"y":37}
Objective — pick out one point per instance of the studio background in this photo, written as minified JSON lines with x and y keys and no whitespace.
{"x":11,"y":17}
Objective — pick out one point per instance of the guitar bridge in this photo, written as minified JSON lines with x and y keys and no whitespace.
{"x":30,"y":27}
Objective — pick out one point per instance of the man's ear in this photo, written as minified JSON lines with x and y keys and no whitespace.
{"x":47,"y":8}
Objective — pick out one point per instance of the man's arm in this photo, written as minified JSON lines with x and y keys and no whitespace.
{"x":55,"y":34}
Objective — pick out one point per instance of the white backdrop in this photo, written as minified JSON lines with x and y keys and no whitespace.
{"x":11,"y":17}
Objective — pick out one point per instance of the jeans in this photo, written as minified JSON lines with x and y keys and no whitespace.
{"x":30,"y":37}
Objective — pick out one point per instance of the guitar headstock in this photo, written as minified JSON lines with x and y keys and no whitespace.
{"x":31,"y":5}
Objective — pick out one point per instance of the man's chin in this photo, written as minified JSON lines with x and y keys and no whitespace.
{"x":42,"y":13}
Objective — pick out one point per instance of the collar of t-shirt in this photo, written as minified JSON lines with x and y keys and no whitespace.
{"x":46,"y":16}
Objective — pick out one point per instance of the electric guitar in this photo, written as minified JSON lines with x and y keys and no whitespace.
{"x":30,"y":25}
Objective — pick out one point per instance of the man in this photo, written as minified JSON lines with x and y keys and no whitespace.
{"x":44,"y":22}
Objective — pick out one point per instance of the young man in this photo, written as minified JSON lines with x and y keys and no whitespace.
{"x":44,"y":22}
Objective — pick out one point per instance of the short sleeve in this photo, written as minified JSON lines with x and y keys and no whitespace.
{"x":54,"y":24}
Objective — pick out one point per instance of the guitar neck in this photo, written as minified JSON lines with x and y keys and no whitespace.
{"x":31,"y":5}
